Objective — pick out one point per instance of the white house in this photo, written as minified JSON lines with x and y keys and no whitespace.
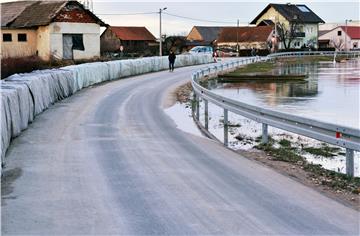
{"x":49,"y":29}
{"x":304,"y":20}
{"x":341,"y":38}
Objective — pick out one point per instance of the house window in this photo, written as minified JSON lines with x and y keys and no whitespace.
{"x":77,"y":41}
{"x":22,"y":38}
{"x":355,"y":45}
{"x":7,"y":38}
{"x":303,"y":8}
{"x":339,"y":33}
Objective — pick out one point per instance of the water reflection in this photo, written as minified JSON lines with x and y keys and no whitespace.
{"x":330,"y":93}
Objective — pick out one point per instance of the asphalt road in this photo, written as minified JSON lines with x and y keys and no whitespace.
{"x":108,"y":160}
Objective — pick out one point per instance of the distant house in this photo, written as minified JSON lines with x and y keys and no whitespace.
{"x":341,"y":38}
{"x":49,"y":29}
{"x":203,"y":35}
{"x":247,"y":37}
{"x":301,"y":24}
{"x":132,"y":39}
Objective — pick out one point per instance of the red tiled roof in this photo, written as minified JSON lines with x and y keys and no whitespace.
{"x":26,"y":14}
{"x":132,"y":33}
{"x":352,"y":31}
{"x":245,"y":34}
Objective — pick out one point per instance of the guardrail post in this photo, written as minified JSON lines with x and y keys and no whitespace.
{"x":206,"y":114}
{"x":265,"y":136}
{"x":198,"y":108}
{"x":350,"y":162}
{"x":193,"y":105}
{"x":226,"y":133}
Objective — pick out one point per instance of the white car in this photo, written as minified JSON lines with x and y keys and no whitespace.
{"x":202,"y":49}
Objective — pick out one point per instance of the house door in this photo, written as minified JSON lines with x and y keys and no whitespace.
{"x":67,"y":46}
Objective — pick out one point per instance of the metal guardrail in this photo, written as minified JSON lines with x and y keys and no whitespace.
{"x":338,"y":135}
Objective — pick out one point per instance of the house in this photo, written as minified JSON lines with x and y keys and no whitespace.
{"x":132,"y":39}
{"x":247,"y":37}
{"x":297,"y":25}
{"x":203,"y":35}
{"x":49,"y":29}
{"x":341,"y":38}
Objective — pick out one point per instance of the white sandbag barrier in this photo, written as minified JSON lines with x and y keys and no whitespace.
{"x":23,"y":96}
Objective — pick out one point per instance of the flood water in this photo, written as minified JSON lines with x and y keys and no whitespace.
{"x":330,"y":93}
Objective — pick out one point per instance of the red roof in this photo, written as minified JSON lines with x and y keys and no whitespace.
{"x":245,"y":34}
{"x":132,"y":33}
{"x":352,"y":31}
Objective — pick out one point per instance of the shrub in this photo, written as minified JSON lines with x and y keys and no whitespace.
{"x":11,"y":66}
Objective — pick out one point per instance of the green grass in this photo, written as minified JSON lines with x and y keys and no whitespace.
{"x":282,"y":153}
{"x":311,"y":59}
{"x":324,"y":151}
{"x":254,"y":68}
{"x":285,"y":143}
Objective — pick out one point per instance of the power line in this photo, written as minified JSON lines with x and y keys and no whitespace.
{"x":169,"y":14}
{"x":127,"y":14}
{"x":203,"y":20}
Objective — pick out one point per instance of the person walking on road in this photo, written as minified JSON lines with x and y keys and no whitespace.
{"x":172,"y":58}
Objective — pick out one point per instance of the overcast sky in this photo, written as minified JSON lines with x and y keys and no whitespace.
{"x":225,"y":13}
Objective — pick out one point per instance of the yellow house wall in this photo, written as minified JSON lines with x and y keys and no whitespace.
{"x":43,"y":42}
{"x":18,"y":49}
{"x":194,"y":35}
{"x":273,"y":15}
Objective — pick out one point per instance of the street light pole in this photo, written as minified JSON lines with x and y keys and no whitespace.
{"x":160,"y":38}
{"x":237,"y":38}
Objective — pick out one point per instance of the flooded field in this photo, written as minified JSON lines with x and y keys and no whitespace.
{"x":330,"y":93}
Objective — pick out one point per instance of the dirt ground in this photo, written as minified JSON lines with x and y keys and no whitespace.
{"x":309,"y":179}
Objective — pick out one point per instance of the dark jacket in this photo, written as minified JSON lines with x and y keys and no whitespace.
{"x":172,"y":57}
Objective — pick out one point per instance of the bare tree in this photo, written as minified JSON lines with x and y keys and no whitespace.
{"x":176,"y":43}
{"x":337,"y":43}
{"x":287,"y":34}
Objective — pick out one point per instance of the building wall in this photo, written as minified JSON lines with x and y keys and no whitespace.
{"x":16,"y":48}
{"x":194,"y":35}
{"x":109,"y":42}
{"x":43,"y":42}
{"x":273,"y":15}
{"x":91,"y":38}
{"x":311,"y":36}
{"x":336,"y":40}
{"x":244,"y":45}
{"x":311,"y":30}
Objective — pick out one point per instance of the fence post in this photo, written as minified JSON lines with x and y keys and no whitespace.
{"x":206,"y":114}
{"x":226,"y":133}
{"x":265,"y":136}
{"x":350,"y":162}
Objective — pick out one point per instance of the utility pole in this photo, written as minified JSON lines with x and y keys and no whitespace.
{"x":346,"y":34}
{"x":237,"y":38}
{"x":160,"y":38}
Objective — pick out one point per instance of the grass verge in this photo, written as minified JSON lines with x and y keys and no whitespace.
{"x":283,"y":150}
